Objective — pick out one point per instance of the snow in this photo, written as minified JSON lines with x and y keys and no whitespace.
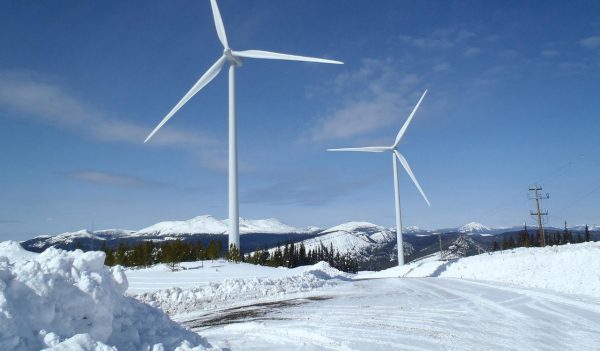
{"x":355,"y":238}
{"x":208,"y":224}
{"x":473,"y":227}
{"x":176,"y":300}
{"x":13,"y":251}
{"x":572,"y":269}
{"x":528,"y":298}
{"x":60,"y":300}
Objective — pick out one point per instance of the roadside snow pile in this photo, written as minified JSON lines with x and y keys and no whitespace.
{"x":571,"y":268}
{"x":13,"y":251}
{"x":60,"y":300}
{"x":175,"y":300}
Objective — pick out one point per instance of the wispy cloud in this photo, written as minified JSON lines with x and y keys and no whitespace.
{"x":592,"y":42}
{"x":112,"y":179}
{"x":306,"y":190}
{"x":440,"y":67}
{"x":11,"y":221}
{"x":440,"y":39}
{"x":371,"y":97}
{"x":30,"y":95}
{"x":472,"y":51}
{"x":548,"y":53}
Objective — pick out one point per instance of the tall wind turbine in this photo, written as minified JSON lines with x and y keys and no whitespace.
{"x":396,"y":156}
{"x":234,"y":58}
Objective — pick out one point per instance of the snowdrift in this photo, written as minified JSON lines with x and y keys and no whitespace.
{"x":233,"y":290}
{"x":571,"y":268}
{"x":60,"y":300}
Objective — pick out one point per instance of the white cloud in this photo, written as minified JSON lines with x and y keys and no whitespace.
{"x":34,"y":97}
{"x":113,"y":179}
{"x":592,"y":42}
{"x":440,"y":39}
{"x":372,"y":97}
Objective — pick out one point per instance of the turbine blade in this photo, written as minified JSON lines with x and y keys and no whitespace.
{"x":205,"y":79}
{"x":259,"y":54}
{"x":364,"y":149}
{"x":219,"y":24}
{"x":403,"y":129}
{"x":411,"y":175}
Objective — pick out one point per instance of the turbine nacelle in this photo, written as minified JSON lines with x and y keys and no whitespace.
{"x":231,"y":58}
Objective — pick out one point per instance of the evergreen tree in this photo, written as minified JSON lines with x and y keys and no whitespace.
{"x":121,"y":256}
{"x":234,"y":254}
{"x":495,"y":246}
{"x":587,"y":233}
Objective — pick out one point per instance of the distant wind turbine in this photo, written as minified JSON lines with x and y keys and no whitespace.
{"x":235,"y":60}
{"x":396,"y":156}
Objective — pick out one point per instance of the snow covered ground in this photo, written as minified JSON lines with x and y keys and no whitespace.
{"x":573,"y":269}
{"x":511,"y":300}
{"x":541,"y":299}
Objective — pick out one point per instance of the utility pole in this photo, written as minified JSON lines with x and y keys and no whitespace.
{"x":538,"y":197}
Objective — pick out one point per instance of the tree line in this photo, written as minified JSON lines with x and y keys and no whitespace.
{"x":525,"y":238}
{"x":293,"y":255}
{"x":171,"y":252}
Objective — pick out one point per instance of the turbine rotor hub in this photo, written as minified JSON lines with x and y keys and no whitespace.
{"x":231,"y":57}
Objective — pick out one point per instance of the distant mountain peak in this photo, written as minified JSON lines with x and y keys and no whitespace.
{"x":473,"y":227}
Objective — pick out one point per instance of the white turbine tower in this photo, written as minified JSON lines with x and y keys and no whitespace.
{"x":234,"y":59}
{"x":396,"y":156}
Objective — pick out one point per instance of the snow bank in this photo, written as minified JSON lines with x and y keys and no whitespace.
{"x":177,"y":300}
{"x":572,"y":269}
{"x":60,"y":300}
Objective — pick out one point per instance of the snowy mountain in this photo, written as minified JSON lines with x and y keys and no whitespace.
{"x":367,"y":242}
{"x":462,"y":246}
{"x":255,"y":232}
{"x":210,"y":225}
{"x":473,"y":227}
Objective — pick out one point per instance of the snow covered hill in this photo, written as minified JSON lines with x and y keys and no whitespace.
{"x":463,"y":246}
{"x":210,"y":225}
{"x":473,"y":227}
{"x":370,"y":244}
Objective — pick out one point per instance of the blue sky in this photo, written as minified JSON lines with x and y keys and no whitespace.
{"x":513,"y":100}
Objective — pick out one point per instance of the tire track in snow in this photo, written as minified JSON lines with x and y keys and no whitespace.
{"x":421,"y":314}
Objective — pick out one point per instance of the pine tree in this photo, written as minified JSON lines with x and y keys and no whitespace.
{"x":587,"y":233}
{"x":121,"y":256}
{"x":234,"y":254}
{"x":495,"y":246}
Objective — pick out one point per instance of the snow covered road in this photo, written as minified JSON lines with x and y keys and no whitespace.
{"x":409,"y":314}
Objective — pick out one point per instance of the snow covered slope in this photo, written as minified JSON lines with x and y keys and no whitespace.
{"x":571,"y":268}
{"x":367,"y":242}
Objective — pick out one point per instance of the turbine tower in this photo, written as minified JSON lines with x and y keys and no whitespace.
{"x":396,"y":156}
{"x":234,"y":58}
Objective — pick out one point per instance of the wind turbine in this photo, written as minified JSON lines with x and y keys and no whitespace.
{"x":396,"y":156}
{"x":234,"y":58}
